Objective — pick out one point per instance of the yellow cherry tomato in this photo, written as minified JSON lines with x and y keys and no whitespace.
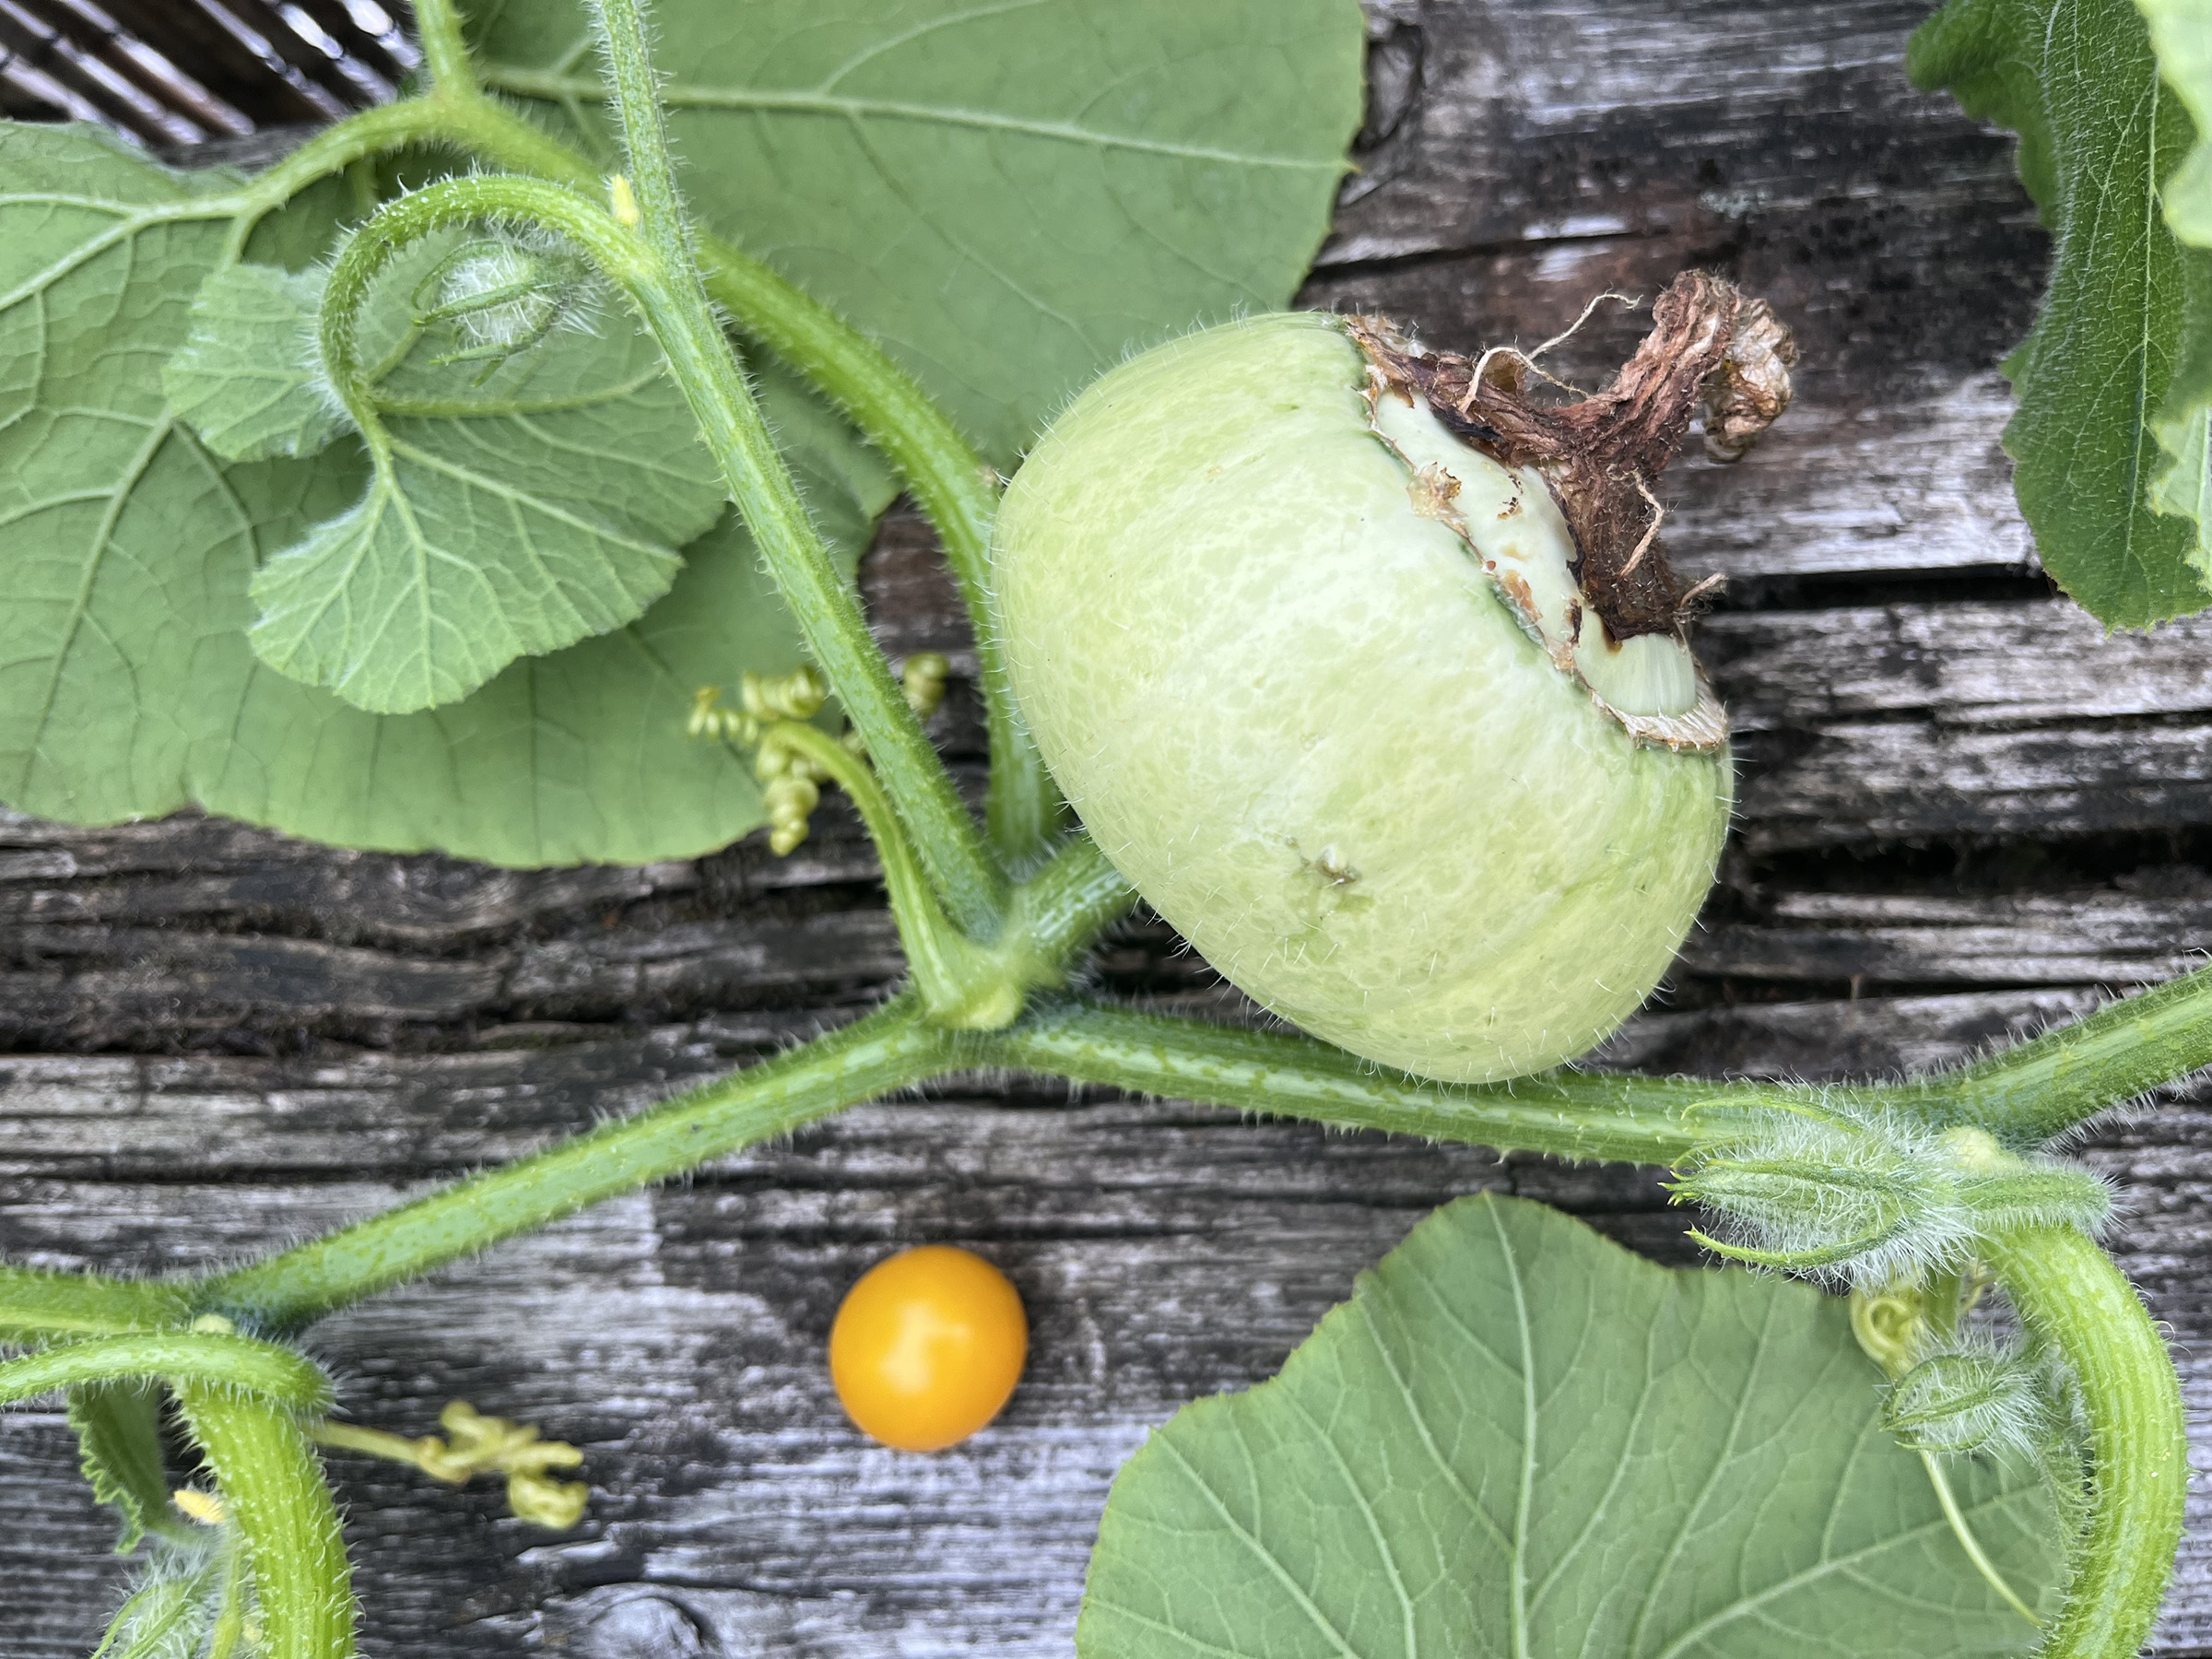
{"x":928,"y":1348}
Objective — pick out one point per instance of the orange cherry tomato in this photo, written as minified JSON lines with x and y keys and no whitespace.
{"x":928,"y":1348}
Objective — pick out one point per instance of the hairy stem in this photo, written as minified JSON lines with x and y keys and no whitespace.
{"x":955,"y":488}
{"x":2070,"y":1292}
{"x":1073,"y":899}
{"x":375,"y":131}
{"x":2039,"y":1089}
{"x":935,"y":952}
{"x":890,"y":1049}
{"x":682,"y":318}
{"x":239,"y":1363}
{"x":1581,"y":1116}
{"x":36,"y":1306}
{"x":273,"y":1489}
{"x":444,"y":50}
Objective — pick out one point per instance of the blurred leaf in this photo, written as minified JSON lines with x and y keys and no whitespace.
{"x":119,"y":1440}
{"x":2181,"y":34}
{"x":2113,"y":375}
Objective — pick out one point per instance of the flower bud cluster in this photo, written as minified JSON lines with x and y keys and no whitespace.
{"x":923,"y":679}
{"x":791,"y":780}
{"x":1868,"y":1198}
{"x":1960,"y":1390}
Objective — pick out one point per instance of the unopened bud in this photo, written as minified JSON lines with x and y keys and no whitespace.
{"x":1878,"y":1201}
{"x":1833,"y":1195}
{"x":923,"y":679}
{"x":791,"y":800}
{"x":1981,"y":1399}
{"x":799,"y":695}
{"x":504,"y":294}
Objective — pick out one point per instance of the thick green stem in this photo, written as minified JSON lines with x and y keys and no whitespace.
{"x":950,"y":971}
{"x":1582,"y":1115}
{"x":236,"y":1362}
{"x":444,"y":49}
{"x":2040,"y":1089}
{"x":370,"y":133}
{"x":1073,"y":899}
{"x":956,"y":490}
{"x":37,"y":1306}
{"x":674,"y":302}
{"x":2070,"y":1291}
{"x":890,"y":1049}
{"x":273,"y":1488}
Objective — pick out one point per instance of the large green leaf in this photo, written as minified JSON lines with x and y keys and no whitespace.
{"x":521,"y":510}
{"x":1009,"y":196}
{"x":2118,"y":365}
{"x":2181,"y":34}
{"x":1516,"y":1439}
{"x":127,"y":685}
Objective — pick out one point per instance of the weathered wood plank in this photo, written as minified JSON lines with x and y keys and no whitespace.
{"x":1163,"y":1253}
{"x":1538,"y":156}
{"x":1959,"y":664}
{"x":2071,"y":937}
{"x":1858,"y":724}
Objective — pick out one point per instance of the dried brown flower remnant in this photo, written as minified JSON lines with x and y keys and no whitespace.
{"x":1748,"y":394}
{"x":1709,"y":346}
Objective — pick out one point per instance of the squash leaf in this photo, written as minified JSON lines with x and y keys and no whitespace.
{"x":246,"y":377}
{"x":1008,"y":197}
{"x":519,"y":512}
{"x":2108,"y":441}
{"x":127,"y":688}
{"x":1517,"y":1439}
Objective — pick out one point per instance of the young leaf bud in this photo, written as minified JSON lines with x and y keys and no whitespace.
{"x":1976,"y":1398}
{"x":504,"y":294}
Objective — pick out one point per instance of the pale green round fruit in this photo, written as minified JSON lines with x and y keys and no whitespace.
{"x":1316,"y":675}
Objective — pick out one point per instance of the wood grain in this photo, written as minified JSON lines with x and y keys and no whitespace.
{"x":1965,"y":814}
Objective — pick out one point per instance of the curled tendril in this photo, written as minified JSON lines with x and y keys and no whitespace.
{"x":475,"y":1444}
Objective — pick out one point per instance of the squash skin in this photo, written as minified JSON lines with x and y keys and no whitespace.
{"x":1299,"y":719}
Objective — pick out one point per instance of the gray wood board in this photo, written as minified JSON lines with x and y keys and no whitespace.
{"x":1965,"y":814}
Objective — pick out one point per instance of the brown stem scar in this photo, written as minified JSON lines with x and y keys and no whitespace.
{"x":1711,"y":351}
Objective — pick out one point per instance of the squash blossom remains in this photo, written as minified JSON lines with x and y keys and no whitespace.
{"x":1369,"y":672}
